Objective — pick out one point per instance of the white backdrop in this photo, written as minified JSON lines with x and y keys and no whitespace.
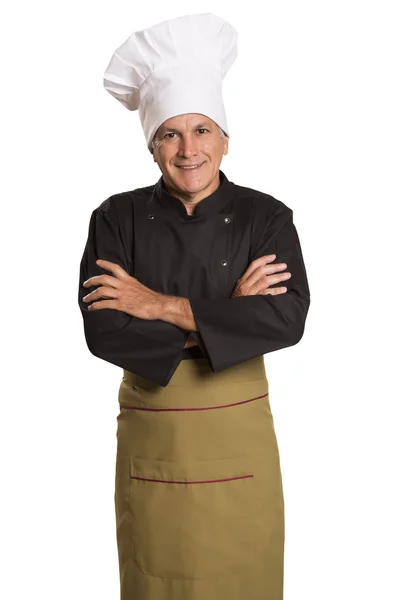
{"x":312,"y":103}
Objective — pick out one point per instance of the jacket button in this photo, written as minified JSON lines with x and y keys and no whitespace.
{"x":151,"y":216}
{"x":227,"y":220}
{"x":224,"y":263}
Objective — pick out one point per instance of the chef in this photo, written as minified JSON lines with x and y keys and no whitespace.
{"x":185,"y":285}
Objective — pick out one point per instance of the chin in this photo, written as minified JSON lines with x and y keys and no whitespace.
{"x":195,"y":185}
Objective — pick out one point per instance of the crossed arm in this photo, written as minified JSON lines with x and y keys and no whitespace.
{"x":230,"y":331}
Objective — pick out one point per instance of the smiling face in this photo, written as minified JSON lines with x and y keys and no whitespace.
{"x":188,"y":140}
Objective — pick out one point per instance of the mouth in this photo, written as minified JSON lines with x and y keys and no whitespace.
{"x":189,"y":168}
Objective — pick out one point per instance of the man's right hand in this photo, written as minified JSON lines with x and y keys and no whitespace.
{"x":259,"y":276}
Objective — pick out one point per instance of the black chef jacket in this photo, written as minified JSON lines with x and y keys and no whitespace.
{"x":148,"y":232}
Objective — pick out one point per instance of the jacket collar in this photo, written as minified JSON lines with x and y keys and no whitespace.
{"x":208,"y":206}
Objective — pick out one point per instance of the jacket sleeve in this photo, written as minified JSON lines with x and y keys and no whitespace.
{"x":233,"y":330}
{"x":150,"y":348}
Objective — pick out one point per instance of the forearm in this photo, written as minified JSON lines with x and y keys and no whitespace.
{"x":178,"y":311}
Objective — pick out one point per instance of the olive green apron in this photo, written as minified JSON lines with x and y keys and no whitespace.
{"x":198,"y":489}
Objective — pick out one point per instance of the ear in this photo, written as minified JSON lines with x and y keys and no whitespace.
{"x":226,"y":145}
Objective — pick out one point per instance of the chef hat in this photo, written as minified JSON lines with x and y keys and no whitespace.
{"x":172,"y":68}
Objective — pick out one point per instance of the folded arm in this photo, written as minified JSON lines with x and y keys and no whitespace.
{"x":237,"y":329}
{"x":145,"y":347}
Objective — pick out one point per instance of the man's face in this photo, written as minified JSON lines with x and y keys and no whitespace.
{"x":186,"y":140}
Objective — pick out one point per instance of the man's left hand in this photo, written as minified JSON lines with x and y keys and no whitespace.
{"x":123,"y":292}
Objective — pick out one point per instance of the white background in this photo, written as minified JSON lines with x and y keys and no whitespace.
{"x":312,"y":103}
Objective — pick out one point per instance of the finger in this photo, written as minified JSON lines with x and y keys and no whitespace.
{"x":273,"y":291}
{"x":273,"y":279}
{"x":255,"y":264}
{"x":101,"y":292}
{"x":104,"y":304}
{"x":262,"y":275}
{"x":110,"y":280}
{"x":116,"y":269}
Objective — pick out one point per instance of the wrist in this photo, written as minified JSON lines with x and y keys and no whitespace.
{"x":176,"y":310}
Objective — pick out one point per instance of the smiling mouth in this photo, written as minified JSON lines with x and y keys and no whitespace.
{"x":190,"y":167}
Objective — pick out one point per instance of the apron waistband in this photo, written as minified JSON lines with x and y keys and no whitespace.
{"x":198,"y":371}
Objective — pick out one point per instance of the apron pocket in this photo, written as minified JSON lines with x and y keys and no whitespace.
{"x":200,"y":519}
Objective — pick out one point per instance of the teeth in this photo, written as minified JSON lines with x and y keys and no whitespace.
{"x":192,"y":167}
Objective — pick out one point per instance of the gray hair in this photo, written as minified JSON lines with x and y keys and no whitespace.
{"x":153,"y":141}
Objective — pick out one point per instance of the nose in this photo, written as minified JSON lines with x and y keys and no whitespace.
{"x":187,"y":146}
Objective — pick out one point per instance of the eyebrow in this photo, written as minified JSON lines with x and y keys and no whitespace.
{"x":198,"y":126}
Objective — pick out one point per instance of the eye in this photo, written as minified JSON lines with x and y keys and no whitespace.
{"x":170,"y":133}
{"x":202,"y":129}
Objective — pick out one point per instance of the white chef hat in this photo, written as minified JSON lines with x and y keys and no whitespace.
{"x":172,"y":68}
